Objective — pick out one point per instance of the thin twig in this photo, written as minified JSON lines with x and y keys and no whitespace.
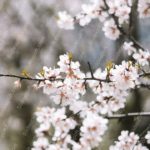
{"x":29,"y":78}
{"x":50,"y":79}
{"x":91,"y":71}
{"x":121,"y":116}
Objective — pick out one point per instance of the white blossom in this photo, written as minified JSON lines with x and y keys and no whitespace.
{"x":142,"y":57}
{"x":144,"y":8}
{"x":65,"y":21}
{"x":110,"y":29}
{"x":123,"y":14}
{"x":125,"y":75}
{"x":44,"y":114}
{"x":83,"y":19}
{"x":121,"y":9}
{"x":78,"y":106}
{"x":66,"y":84}
{"x":128,"y":46}
{"x":147,"y":137}
{"x":93,"y":130}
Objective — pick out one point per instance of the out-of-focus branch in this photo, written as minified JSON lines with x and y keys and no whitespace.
{"x":127,"y":115}
{"x":121,"y":116}
{"x":144,"y":74}
{"x":27,"y":78}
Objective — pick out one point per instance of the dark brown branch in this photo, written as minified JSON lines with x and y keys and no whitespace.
{"x":61,"y":79}
{"x":50,"y":79}
{"x":91,"y":71}
{"x":28,"y":78}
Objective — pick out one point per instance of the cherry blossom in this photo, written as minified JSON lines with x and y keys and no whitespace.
{"x":40,"y":144}
{"x":65,"y":91}
{"x":118,"y":11}
{"x":74,"y":116}
{"x":110,"y":29}
{"x":144,"y":8}
{"x":65,"y":85}
{"x":92,"y":130}
{"x":128,"y":46}
{"x":147,"y":137}
{"x":142,"y":57}
{"x":128,"y":141}
{"x":125,"y":75}
{"x":65,"y":21}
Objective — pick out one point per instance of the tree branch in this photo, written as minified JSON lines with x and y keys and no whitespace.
{"x":144,"y":74}
{"x":147,"y":86}
{"x":134,"y":114}
{"x":50,"y":79}
{"x":91,"y":71}
{"x":27,"y":78}
{"x":58,"y":79}
{"x":123,"y":31}
{"x":132,"y":15}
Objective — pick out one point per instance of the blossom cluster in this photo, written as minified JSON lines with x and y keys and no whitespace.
{"x":140,"y":56}
{"x":49,"y":119}
{"x":76,"y":123}
{"x":56,"y":130}
{"x":128,"y":141}
{"x":113,"y":14}
{"x":65,"y":85}
{"x":111,"y":96}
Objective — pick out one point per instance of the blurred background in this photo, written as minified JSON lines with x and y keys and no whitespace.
{"x":30,"y":39}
